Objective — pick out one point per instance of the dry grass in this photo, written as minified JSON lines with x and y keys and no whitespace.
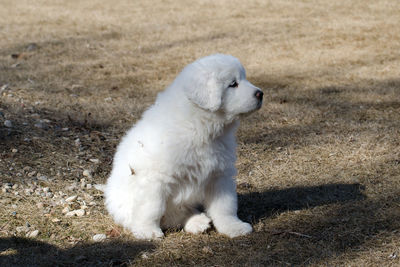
{"x":319,"y":164}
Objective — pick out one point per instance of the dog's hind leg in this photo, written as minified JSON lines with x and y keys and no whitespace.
{"x":149,"y":208}
{"x":138,"y":204}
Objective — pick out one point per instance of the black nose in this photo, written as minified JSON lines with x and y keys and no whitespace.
{"x":259,"y":95}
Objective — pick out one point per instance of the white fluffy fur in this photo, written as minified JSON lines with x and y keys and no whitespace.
{"x":181,"y":155}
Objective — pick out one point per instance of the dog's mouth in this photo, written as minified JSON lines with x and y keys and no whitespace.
{"x":247,"y":113}
{"x":259,"y":104}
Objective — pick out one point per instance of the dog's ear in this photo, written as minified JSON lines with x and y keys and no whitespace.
{"x":201,"y":88}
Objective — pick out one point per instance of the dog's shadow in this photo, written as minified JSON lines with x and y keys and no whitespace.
{"x":20,"y":251}
{"x":254,"y":206}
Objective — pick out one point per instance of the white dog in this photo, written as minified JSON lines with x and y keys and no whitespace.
{"x":176,"y":166}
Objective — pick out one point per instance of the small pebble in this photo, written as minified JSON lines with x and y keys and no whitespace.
{"x":70,"y":213}
{"x":40,"y":205}
{"x":95,"y":160}
{"x":4,"y":87}
{"x":65,"y":210}
{"x":35,"y":116}
{"x":71,"y":199}
{"x":99,"y":237}
{"x":77,"y":142}
{"x":33,"y":234}
{"x":393,"y":256}
{"x":21,"y":229}
{"x":32,"y":173}
{"x":80,"y":212}
{"x":89,"y":186}
{"x":46,"y":189}
{"x":100,"y":187}
{"x":88,"y":197}
{"x":15,"y":186}
{"x":72,"y":187}
{"x":14,"y":150}
{"x":86,"y":173}
{"x":8,"y":123}
{"x":47,"y":210}
{"x":56,"y":220}
{"x":43,"y":178}
{"x":144,"y":255}
{"x":207,"y":250}
{"x":41,"y":125}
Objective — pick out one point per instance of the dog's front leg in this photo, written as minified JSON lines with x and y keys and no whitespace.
{"x":221,"y":206}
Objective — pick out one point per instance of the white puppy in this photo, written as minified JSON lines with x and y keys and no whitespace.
{"x":176,"y":166}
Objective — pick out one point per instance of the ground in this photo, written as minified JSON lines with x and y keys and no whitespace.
{"x":319,"y":164}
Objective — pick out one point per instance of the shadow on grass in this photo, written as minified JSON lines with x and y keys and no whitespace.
{"x":317,"y":237}
{"x":258,"y":205}
{"x":64,"y":136}
{"x":337,"y":221}
{"x":17,"y":251}
{"x":347,"y":221}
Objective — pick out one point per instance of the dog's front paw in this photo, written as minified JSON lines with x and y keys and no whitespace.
{"x":197,"y":224}
{"x":235,"y":228}
{"x":147,"y":233}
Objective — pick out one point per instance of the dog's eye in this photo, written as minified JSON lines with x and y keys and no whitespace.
{"x":233,"y":84}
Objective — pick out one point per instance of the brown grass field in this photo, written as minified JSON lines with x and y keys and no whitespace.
{"x":319,"y":164}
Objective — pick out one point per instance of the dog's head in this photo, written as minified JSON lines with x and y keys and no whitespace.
{"x":218,"y":83}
